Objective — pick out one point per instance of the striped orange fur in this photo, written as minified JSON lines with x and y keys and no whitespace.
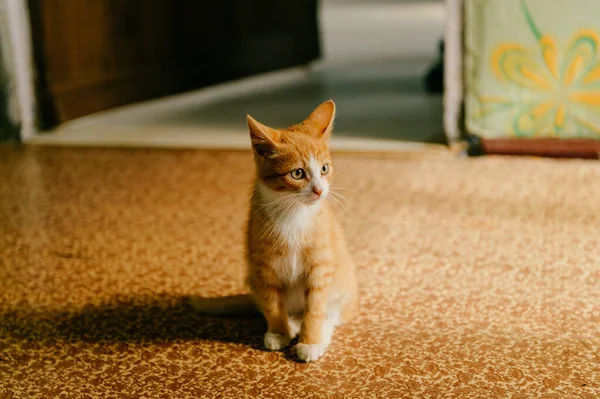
{"x":299,"y":270}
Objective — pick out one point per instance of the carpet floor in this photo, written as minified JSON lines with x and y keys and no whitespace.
{"x":479,"y":279}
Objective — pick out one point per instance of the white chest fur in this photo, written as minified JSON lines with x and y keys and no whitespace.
{"x":290,"y":224}
{"x":291,"y":271}
{"x":292,"y":229}
{"x":290,"y":221}
{"x":293,"y":225}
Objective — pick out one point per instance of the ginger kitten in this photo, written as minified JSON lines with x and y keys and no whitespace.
{"x":299,"y":270}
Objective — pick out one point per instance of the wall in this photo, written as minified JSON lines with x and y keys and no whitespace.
{"x":9,"y":130}
{"x":366,"y":30}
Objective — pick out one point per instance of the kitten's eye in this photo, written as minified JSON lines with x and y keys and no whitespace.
{"x":325,"y":169}
{"x":298,"y":174}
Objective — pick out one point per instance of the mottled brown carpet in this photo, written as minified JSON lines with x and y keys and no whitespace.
{"x":479,"y":279}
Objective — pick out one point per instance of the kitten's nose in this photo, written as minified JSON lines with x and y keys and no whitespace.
{"x":317,"y":191}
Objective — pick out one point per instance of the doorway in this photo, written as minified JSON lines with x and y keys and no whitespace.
{"x":94,"y":55}
{"x":369,"y":56}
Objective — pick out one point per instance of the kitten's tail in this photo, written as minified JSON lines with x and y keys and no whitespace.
{"x":226,"y":305}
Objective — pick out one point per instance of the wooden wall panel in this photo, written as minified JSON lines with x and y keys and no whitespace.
{"x":93,"y":55}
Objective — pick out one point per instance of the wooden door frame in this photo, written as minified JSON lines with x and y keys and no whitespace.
{"x":18,"y":56}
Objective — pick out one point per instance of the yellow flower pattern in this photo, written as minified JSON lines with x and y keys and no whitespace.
{"x":555,"y":94}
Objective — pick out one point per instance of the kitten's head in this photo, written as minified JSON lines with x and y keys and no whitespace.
{"x":296,"y":160}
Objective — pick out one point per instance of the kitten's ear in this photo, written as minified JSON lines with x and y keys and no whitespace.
{"x":264,"y":139}
{"x":321,"y":119}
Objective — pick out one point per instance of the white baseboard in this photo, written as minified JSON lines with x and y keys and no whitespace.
{"x":213,"y":139}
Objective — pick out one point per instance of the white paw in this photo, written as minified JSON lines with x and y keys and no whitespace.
{"x":310,"y":352}
{"x":295,"y":326}
{"x":275,"y":342}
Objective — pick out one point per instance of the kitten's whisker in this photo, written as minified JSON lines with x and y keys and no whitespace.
{"x":285,"y":207}
{"x":339,"y":197}
{"x":339,"y":206}
{"x":338,"y":203}
{"x":278,"y":200}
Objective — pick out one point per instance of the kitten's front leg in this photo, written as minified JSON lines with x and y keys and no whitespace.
{"x":272,"y":305}
{"x":317,"y":330}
